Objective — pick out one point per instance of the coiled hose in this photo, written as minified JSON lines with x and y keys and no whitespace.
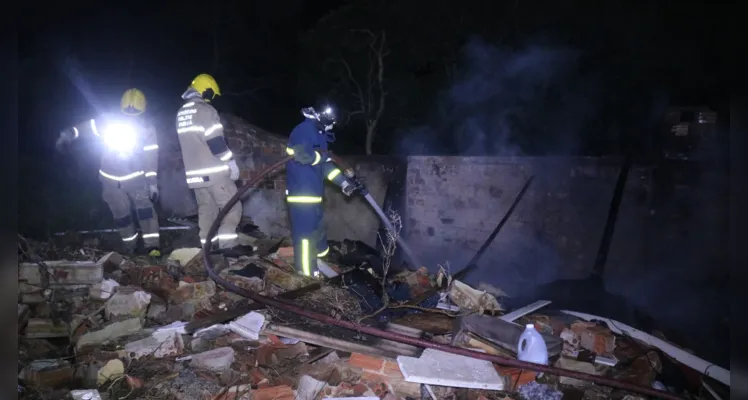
{"x":397,"y":337}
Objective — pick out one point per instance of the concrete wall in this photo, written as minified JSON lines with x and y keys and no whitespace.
{"x":453,"y":204}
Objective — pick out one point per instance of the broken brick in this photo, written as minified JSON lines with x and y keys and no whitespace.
{"x":154,"y":279}
{"x":50,"y":378}
{"x":595,"y":338}
{"x":367,"y":362}
{"x":516,"y":377}
{"x":282,"y":392}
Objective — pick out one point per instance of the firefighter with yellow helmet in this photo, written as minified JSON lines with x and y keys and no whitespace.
{"x":129,"y":167}
{"x":210,"y":167}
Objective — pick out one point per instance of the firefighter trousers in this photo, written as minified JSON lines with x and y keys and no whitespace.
{"x":212,"y":199}
{"x":121,"y":199}
{"x":308,"y":235}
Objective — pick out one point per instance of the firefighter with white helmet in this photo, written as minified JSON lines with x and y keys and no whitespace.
{"x":209,"y":165}
{"x":129,"y":167}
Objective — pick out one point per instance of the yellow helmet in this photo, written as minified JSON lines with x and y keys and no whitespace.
{"x":204,"y":82}
{"x":133,"y":102}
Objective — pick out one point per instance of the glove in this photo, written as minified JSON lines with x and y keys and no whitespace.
{"x":233,"y":170}
{"x":359,"y":186}
{"x":65,"y":138}
{"x":153,"y":192}
{"x":352,"y":185}
{"x":301,"y":156}
{"x":348,"y":188}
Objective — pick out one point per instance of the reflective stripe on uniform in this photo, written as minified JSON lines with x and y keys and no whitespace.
{"x":210,"y":170}
{"x":150,"y":173}
{"x":131,"y":238}
{"x":213,"y":129}
{"x":304,"y":199}
{"x":305,"y":269}
{"x":333,"y":174}
{"x":194,"y":128}
{"x":150,"y":147}
{"x":227,"y":156}
{"x":324,"y":253}
{"x":93,"y":128}
{"x":224,"y":236}
{"x":317,"y":158}
{"x":150,"y":235}
{"x":121,"y":178}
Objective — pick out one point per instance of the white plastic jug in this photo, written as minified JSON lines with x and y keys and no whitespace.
{"x":532,"y":347}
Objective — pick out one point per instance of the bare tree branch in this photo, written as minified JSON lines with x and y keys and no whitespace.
{"x":371,"y":99}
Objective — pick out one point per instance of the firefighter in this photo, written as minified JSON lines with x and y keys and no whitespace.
{"x":129,"y":166}
{"x":305,"y":176}
{"x":209,"y":165}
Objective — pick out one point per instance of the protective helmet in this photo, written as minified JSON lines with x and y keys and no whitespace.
{"x":133,"y":102}
{"x":326,"y":118}
{"x":206,"y":86}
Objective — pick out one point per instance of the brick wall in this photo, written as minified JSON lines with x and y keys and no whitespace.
{"x":453,"y":204}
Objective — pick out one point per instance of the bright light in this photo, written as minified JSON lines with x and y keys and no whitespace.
{"x":120,"y":137}
{"x":328,"y":110}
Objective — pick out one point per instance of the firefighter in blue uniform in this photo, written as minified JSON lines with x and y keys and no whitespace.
{"x":305,"y":176}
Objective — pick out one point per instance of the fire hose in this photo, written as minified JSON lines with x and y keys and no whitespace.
{"x":397,"y":337}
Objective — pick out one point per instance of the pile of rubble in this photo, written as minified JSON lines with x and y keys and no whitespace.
{"x":116,"y":327}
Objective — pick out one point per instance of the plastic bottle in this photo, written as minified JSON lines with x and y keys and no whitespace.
{"x":531,"y":346}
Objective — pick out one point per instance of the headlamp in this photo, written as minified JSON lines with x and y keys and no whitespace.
{"x":120,"y":137}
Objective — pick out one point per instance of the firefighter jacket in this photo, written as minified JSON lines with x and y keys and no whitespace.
{"x":129,"y":148}
{"x":204,"y":150}
{"x":305,"y":178}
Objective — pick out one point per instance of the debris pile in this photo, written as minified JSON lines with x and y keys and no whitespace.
{"x":103,"y":326}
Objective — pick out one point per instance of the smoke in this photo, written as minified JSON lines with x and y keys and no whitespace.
{"x":509,"y":103}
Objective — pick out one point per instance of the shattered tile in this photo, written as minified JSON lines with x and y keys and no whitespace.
{"x":103,"y":290}
{"x":87,"y":394}
{"x":158,"y":345}
{"x":110,"y":332}
{"x":219,"y":359}
{"x":127,"y":303}
{"x":110,"y":261}
{"x":212,"y":332}
{"x":248,"y":325}
{"x":436,"y":367}
{"x":308,"y":388}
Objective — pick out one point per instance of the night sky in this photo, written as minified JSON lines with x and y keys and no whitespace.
{"x":80,"y":60}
